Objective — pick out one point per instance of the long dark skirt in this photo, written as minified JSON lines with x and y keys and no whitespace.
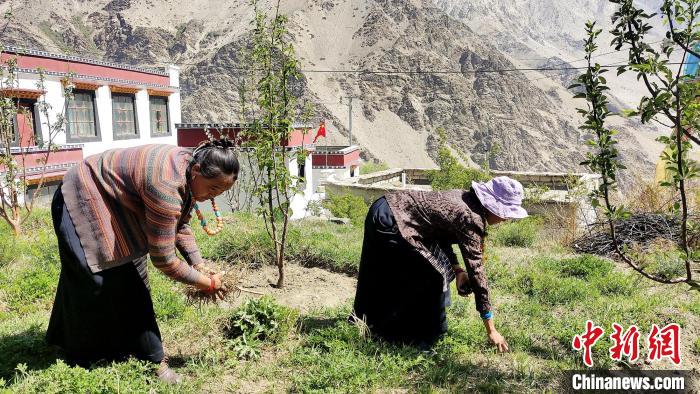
{"x":105,"y":315}
{"x":399,"y":294}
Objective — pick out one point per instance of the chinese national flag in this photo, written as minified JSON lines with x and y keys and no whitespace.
{"x":321,"y":131}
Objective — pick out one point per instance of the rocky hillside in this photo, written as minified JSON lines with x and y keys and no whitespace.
{"x":520,"y":120}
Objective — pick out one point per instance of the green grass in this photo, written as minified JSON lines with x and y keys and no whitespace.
{"x":541,"y":299}
{"x":347,"y":206}
{"x":311,"y":243}
{"x":371,"y":166}
{"x":518,"y":233}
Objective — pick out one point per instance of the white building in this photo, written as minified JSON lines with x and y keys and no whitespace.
{"x":113,"y":106}
{"x":321,"y":163}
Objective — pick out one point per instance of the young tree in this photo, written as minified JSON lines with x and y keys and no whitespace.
{"x":16,"y":202}
{"x":269,"y":109}
{"x":671,"y":102}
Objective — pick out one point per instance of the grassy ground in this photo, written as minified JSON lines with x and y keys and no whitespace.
{"x":542,"y":294}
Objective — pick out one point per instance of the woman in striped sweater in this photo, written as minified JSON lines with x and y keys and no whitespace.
{"x":112,"y":210}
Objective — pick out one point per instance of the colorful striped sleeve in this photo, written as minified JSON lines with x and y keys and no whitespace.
{"x":163,"y":207}
{"x":186,"y":244}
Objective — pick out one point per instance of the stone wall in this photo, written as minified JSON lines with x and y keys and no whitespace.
{"x":563,"y":195}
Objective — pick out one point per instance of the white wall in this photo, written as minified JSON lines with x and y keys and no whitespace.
{"x":103,"y":98}
{"x":321,"y":175}
{"x":174,"y":105}
{"x":54,"y":99}
{"x":301,"y":200}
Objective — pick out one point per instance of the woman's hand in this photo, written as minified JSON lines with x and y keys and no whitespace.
{"x":497,"y":340}
{"x":218,"y":290}
{"x":463,"y":288}
{"x":495,"y":337}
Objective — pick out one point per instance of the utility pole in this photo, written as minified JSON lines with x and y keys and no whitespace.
{"x":349,"y":104}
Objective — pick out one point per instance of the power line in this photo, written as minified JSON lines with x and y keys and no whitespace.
{"x":422,"y":72}
{"x":553,"y":68}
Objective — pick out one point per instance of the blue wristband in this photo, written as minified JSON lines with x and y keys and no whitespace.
{"x":487,"y":315}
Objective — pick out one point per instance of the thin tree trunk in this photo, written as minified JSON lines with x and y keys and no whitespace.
{"x":280,"y":270}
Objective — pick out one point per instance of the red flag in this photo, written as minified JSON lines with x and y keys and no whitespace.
{"x":321,"y":132}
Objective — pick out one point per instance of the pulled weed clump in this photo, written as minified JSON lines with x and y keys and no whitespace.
{"x":230,"y":280}
{"x":258,"y":321}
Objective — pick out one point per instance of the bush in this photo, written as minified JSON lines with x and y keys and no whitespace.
{"x":520,"y":233}
{"x":661,"y":257}
{"x":257,"y":321}
{"x":371,"y":166}
{"x":347,"y":206}
{"x":585,"y":266}
{"x":452,"y":174}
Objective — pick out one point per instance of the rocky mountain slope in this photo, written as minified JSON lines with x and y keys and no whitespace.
{"x":519,"y":120}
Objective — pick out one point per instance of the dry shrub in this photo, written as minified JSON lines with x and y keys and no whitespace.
{"x":648,"y":196}
{"x":661,"y":256}
{"x":560,"y":226}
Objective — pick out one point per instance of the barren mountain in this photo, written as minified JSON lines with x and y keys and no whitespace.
{"x":411,"y":66}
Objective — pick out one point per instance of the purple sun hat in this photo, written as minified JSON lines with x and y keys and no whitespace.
{"x":502,"y":196}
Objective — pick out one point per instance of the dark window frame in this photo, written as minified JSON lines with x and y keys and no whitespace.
{"x":169,"y":133}
{"x":77,"y":139}
{"x":137,"y":132}
{"x":38,"y":137}
{"x":301,"y":168}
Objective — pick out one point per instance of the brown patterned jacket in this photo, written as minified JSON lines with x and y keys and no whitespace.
{"x":427,"y":218}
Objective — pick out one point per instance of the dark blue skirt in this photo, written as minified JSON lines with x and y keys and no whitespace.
{"x":399,"y":293}
{"x":105,"y":315}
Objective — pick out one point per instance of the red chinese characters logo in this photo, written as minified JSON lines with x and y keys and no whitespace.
{"x":665,"y":342}
{"x":626,"y":343}
{"x":587,"y":340}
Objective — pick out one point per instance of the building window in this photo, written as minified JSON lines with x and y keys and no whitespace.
{"x":124,"y":119}
{"x":160,"y":123}
{"x":301,"y":164}
{"x":81,"y":116}
{"x":10,"y":125}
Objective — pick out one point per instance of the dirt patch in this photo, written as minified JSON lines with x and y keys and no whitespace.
{"x":305,"y":289}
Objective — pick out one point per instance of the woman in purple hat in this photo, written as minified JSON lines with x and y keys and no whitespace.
{"x":408,"y":263}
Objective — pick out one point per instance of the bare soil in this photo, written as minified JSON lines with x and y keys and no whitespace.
{"x":305,"y":289}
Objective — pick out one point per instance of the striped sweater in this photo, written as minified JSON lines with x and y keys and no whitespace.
{"x":126,"y":203}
